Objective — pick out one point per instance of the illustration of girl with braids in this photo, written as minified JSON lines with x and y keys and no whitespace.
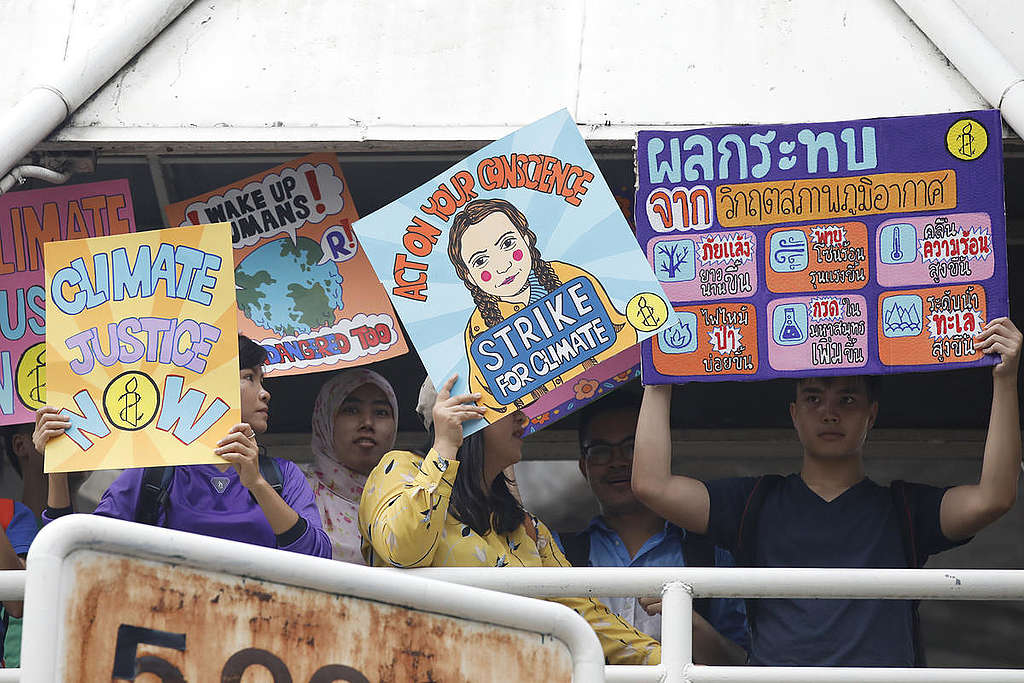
{"x":495,"y":255}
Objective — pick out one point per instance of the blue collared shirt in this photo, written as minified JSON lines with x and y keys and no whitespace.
{"x":665,"y":549}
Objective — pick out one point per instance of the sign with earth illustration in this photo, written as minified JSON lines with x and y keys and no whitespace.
{"x":305,"y":289}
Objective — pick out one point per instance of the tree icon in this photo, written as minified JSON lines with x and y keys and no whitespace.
{"x":673,"y":257}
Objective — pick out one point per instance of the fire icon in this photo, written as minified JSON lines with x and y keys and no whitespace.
{"x":680,"y":337}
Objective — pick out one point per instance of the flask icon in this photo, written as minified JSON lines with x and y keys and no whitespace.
{"x":789,"y":324}
{"x":790,"y":332}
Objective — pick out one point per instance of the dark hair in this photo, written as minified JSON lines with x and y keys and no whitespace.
{"x":480,"y":508}
{"x":622,"y":399}
{"x":250,"y":354}
{"x":473,"y":213}
{"x":872,"y":383}
{"x":7,"y":434}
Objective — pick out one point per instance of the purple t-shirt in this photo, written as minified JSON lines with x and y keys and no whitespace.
{"x":204,"y":500}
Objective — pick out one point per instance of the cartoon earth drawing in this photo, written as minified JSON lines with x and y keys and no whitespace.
{"x":280,"y":287}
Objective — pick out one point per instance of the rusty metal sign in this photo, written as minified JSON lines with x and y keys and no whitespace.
{"x":109,"y":600}
{"x":128,"y":618}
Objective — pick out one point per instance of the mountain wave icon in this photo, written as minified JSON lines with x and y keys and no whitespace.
{"x":902,"y":319}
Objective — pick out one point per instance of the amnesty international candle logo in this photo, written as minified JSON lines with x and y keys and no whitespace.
{"x":646,"y":312}
{"x":31,"y":376}
{"x":142,"y":348}
{"x":131,"y":400}
{"x":967,"y":139}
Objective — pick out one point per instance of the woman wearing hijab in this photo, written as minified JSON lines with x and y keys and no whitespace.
{"x":354,"y":425}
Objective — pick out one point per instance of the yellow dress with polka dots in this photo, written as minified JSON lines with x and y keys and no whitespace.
{"x":404,"y":519}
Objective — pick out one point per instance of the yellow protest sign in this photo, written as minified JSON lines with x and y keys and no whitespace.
{"x":141,"y":347}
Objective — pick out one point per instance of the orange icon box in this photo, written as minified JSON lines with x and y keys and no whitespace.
{"x":908,"y":319}
{"x":817,"y":258}
{"x":688,"y":348}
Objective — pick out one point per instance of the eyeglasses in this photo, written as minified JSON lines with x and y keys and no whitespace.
{"x":600,"y":453}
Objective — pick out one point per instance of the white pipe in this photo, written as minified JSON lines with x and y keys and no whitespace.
{"x":973,"y":54}
{"x":949,"y":584}
{"x":20,"y":174}
{"x":627,"y":673}
{"x":676,"y":628}
{"x":907,"y":584}
{"x":809,"y":674}
{"x":12,"y":584}
{"x":678,"y":584}
{"x":56,"y":96}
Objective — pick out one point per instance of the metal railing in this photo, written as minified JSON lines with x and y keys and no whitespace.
{"x":67,"y":572}
{"x":679,"y":586}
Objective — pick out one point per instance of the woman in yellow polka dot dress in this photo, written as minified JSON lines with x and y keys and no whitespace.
{"x":453,"y":508}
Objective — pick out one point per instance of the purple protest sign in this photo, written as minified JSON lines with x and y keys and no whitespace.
{"x":853,"y":247}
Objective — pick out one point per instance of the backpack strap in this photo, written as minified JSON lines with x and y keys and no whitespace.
{"x":746,"y":534}
{"x":6,"y":512}
{"x":577,"y":548}
{"x":747,"y":531}
{"x":699,"y":551}
{"x":5,"y":618}
{"x":901,"y":506}
{"x":153,"y":493}
{"x":271,"y":471}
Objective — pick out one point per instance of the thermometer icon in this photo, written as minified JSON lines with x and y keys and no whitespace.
{"x":897,"y":253}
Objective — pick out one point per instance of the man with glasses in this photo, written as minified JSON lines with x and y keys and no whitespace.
{"x":628,"y":534}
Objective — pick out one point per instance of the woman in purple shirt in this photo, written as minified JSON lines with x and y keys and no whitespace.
{"x":232,"y":500}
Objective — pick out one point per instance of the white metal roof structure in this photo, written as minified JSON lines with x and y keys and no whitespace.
{"x":268,"y":75}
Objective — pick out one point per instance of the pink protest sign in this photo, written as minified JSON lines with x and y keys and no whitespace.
{"x":27,"y":221}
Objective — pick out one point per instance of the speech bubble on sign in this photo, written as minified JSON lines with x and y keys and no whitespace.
{"x":277,"y":203}
{"x":299,"y":285}
{"x":338,"y":243}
